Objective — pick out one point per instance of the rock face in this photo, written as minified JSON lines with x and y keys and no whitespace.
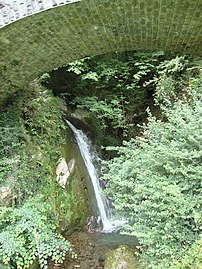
{"x":5,"y":195}
{"x":64,"y":170}
{"x":82,"y":119}
{"x":123,"y":257}
{"x":75,"y":196}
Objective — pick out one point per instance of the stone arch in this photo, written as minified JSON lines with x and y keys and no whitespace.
{"x":53,"y":36}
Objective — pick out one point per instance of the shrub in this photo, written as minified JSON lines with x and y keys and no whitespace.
{"x":191,"y":259}
{"x":155,"y":182}
{"x":29,"y":233}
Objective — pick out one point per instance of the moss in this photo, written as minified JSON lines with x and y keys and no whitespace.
{"x":33,"y":141}
{"x":122,"y":258}
{"x":73,"y":202}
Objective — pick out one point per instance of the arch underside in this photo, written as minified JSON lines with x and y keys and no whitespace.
{"x":41,"y":42}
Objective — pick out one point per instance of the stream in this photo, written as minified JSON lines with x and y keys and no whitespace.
{"x":92,"y":247}
{"x":84,"y":145}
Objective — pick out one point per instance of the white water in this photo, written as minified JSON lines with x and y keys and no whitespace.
{"x":84,"y":146}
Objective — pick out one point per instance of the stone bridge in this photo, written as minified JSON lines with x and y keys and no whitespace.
{"x":37,"y":36}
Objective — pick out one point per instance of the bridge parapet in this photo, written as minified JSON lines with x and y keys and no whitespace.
{"x":13,"y":10}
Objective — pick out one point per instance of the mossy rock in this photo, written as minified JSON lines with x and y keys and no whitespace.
{"x":73,"y":201}
{"x":123,"y":257}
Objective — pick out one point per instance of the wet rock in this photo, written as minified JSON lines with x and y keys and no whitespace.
{"x":91,"y":225}
{"x":123,"y":257}
{"x":93,"y":249}
{"x":75,"y":198}
{"x":82,"y":119}
{"x":63,"y":105}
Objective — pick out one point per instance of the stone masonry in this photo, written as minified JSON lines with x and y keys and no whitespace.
{"x":37,"y":36}
{"x":13,"y":10}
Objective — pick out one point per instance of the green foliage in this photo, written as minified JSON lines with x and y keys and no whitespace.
{"x":124,"y":84}
{"x":118,"y":80}
{"x":28,"y":234}
{"x":174,"y":66}
{"x":78,"y":66}
{"x":109,"y":113}
{"x":191,"y":259}
{"x":165,"y":91}
{"x":155,"y":182}
{"x":30,"y":139}
{"x":171,"y":80}
{"x":11,"y":137}
{"x":116,"y":75}
{"x":195,"y":85}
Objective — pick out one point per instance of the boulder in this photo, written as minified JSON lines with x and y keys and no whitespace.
{"x":123,"y":257}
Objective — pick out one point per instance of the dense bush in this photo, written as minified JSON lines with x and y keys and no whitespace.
{"x":28,"y":234}
{"x":191,"y":259}
{"x":155,"y":182}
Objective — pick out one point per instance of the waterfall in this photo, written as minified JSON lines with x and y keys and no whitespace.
{"x":84,"y":146}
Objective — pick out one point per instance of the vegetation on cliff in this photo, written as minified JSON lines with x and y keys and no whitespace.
{"x":31,"y":143}
{"x":30,"y":132}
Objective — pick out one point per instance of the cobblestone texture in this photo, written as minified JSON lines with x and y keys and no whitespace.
{"x":13,"y":10}
{"x":62,"y":31}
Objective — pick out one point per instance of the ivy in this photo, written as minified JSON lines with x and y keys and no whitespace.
{"x":29,"y":233}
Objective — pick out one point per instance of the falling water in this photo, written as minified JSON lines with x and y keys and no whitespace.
{"x":84,"y":146}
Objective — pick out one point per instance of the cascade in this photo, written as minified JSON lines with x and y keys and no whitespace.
{"x":85,"y":146}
